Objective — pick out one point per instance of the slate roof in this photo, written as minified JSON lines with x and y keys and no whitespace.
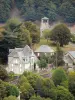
{"x":22,"y":52}
{"x":44,"y":49}
{"x":72,"y":53}
{"x":26,"y":51}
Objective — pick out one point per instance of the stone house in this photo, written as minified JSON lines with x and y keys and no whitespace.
{"x":21,"y":59}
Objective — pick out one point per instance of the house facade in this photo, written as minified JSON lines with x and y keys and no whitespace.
{"x":22,"y":59}
{"x":69,"y":58}
{"x":71,"y":54}
{"x":44,"y":49}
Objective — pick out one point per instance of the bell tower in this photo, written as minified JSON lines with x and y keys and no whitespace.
{"x":44,"y":25}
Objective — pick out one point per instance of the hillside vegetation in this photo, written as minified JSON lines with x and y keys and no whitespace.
{"x":35,"y":9}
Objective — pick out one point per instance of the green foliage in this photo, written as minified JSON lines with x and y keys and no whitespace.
{"x":36,"y":9}
{"x":73,"y":38}
{"x":63,"y":94}
{"x":59,"y":56}
{"x":61,"y":34}
{"x":3,"y":73}
{"x":59,"y":76}
{"x":42,"y":63}
{"x":65,"y":84}
{"x":38,"y":98}
{"x":5,"y":8}
{"x":46,"y":34}
{"x":44,"y":88}
{"x":67,"y":11}
{"x":3,"y":92}
{"x":12,"y":90}
{"x":18,"y":34}
{"x":22,"y":80}
{"x":34,"y":31}
{"x":11,"y":75}
{"x":4,"y":51}
{"x":72,"y":82}
{"x":10,"y":98}
{"x":23,"y":35}
{"x":11,"y":24}
{"x":54,"y":9}
{"x":32,"y":78}
{"x":26,"y":90}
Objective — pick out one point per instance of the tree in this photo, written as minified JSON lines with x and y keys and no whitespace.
{"x":4,"y":51}
{"x":71,"y":76}
{"x":26,"y":91}
{"x":22,"y":80}
{"x":38,"y":98}
{"x":63,"y":94}
{"x":5,"y":8}
{"x":3,"y":73}
{"x":3,"y":92}
{"x":48,"y":90}
{"x":11,"y":24}
{"x":9,"y":39}
{"x":46,"y":34}
{"x":32,"y":78}
{"x":23,"y":35}
{"x":42,"y":63}
{"x":34,"y":31}
{"x":16,"y":34}
{"x":10,"y":98}
{"x":59,"y":76}
{"x":61,"y":34}
{"x":12,"y":90}
{"x":45,"y":88}
{"x":59,"y":56}
{"x":67,"y":11}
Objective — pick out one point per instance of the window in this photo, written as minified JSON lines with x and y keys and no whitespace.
{"x":32,"y":60}
{"x":23,"y":59}
{"x":16,"y":61}
{"x":20,"y":65}
{"x":38,"y":54}
{"x":12,"y":69}
{"x":26,"y":59}
{"x":12,"y":65}
{"x":20,"y":69}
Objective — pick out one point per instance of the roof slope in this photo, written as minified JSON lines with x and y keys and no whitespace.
{"x":72,"y":53}
{"x":45,"y":49}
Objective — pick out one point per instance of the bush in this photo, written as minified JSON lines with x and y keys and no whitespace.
{"x":12,"y":90}
{"x":3,"y":73}
{"x":10,"y":98}
{"x":63,"y":94}
{"x":59,"y":76}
